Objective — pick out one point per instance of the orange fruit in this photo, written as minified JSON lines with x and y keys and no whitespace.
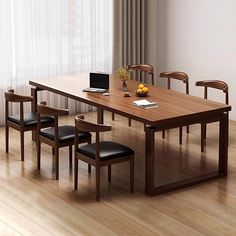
{"x":145,"y":89}
{"x":141,"y":86}
{"x":139,"y":90}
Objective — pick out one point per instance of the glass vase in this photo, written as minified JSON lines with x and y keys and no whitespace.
{"x":125,"y":85}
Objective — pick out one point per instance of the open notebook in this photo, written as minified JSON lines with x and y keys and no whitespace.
{"x":145,"y":104}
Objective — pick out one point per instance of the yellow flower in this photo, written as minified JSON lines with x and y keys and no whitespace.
{"x":124,"y":73}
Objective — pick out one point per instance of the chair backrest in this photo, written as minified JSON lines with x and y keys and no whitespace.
{"x":216,"y":84}
{"x":176,"y":75}
{"x":10,"y":96}
{"x":44,"y":110}
{"x":84,"y":126}
{"x":143,"y":68}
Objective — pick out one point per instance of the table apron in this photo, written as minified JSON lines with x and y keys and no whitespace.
{"x":205,"y":119}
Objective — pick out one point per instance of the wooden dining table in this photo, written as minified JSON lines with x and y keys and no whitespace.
{"x":174,"y":109}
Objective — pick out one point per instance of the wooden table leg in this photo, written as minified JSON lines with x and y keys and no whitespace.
{"x":151,"y":189}
{"x":149,"y":160}
{"x":100,"y":116}
{"x":223,"y":144}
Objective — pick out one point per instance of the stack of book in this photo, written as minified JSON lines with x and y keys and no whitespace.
{"x":145,"y":104}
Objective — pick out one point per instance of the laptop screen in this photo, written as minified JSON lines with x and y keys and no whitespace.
{"x":98,"y":80}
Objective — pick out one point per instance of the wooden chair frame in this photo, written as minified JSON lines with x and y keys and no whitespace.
{"x":215,"y":84}
{"x":55,"y":144}
{"x":84,"y":126}
{"x":181,"y":76}
{"x":142,"y":68}
{"x":11,"y":97}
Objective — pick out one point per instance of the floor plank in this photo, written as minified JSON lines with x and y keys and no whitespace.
{"x":34,"y":203}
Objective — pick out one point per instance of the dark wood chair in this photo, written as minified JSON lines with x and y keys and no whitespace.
{"x":57,"y":136}
{"x":215,"y":84}
{"x":100,"y":153}
{"x":23,"y":121}
{"x":148,"y":69}
{"x":143,"y":68}
{"x":181,"y":76}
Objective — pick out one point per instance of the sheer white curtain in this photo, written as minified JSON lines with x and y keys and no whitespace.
{"x":45,"y":38}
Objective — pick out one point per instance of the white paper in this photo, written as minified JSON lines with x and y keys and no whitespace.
{"x":145,"y":103}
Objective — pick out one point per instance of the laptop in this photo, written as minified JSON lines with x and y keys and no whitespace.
{"x":98,"y":83}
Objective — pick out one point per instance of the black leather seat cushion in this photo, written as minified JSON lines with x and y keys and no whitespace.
{"x":30,"y":119}
{"x":108,"y":150}
{"x":65,"y":133}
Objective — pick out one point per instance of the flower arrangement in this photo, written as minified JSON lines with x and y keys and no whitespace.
{"x":124,"y":73}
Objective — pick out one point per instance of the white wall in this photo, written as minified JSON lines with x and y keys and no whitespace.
{"x":198,"y":37}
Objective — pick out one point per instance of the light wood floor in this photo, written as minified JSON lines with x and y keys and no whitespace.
{"x":33,"y":203}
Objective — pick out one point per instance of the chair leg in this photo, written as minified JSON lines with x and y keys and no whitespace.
{"x":203,"y":136}
{"x":129,"y":122}
{"x":113,"y":116}
{"x":98,"y":184}
{"x":89,"y":142}
{"x":109,"y":173}
{"x":22,"y":141}
{"x":7,"y":138}
{"x":70,"y":157}
{"x":38,"y":155}
{"x":205,"y":129}
{"x":163,"y":134}
{"x":187,"y":129}
{"x":132,"y":174}
{"x":57,"y":163}
{"x":180,"y":135}
{"x":75,"y":173}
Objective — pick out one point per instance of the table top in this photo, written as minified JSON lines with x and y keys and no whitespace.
{"x":173,"y":105}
